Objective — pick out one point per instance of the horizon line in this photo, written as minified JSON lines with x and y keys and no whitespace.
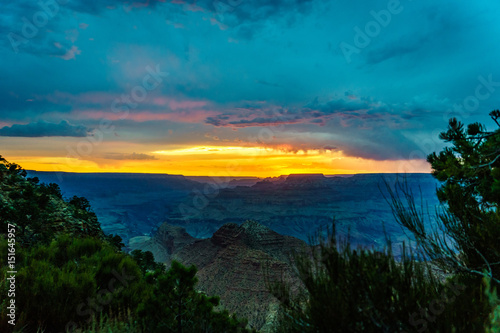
{"x":239,"y":176}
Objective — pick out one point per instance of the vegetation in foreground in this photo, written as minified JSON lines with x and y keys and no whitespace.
{"x":71,"y":277}
{"x":348,"y":290}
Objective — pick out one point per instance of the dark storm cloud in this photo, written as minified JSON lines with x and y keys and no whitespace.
{"x":42,"y":128}
{"x":315,"y":112}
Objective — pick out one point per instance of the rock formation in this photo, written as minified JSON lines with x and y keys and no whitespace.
{"x":233,"y":264}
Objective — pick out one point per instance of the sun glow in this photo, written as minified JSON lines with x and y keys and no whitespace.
{"x":231,"y":161}
{"x":195,"y":160}
{"x":202,"y":150}
{"x":224,"y":150}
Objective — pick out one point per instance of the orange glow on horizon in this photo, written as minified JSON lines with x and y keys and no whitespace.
{"x":231,"y":161}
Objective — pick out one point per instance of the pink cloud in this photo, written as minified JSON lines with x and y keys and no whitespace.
{"x":105,"y":100}
{"x":176,"y":24}
{"x":258,"y":122}
{"x":71,"y":53}
{"x":194,"y":8}
{"x":191,"y":116}
{"x":214,"y":21}
{"x":137,"y":4}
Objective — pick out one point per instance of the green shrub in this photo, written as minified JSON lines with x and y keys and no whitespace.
{"x":121,"y":323}
{"x":70,"y":276}
{"x":66,"y":283}
{"x":146,"y":261}
{"x":176,"y":306}
{"x":464,"y":238}
{"x":493,"y":325}
{"x":39,"y":212}
{"x":359,"y":290}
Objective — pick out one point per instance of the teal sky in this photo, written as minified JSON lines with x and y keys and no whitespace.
{"x":375,"y":80}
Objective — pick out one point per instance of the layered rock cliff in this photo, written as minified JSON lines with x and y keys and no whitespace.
{"x":234,"y":263}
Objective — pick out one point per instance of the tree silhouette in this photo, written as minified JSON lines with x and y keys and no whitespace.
{"x":176,"y":306}
{"x":467,"y":238}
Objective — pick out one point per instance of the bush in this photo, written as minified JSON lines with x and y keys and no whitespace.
{"x":66,"y":283}
{"x":70,"y":275}
{"x":146,"y":261}
{"x":359,"y":290}
{"x":175,"y":306}
{"x":464,"y":240}
{"x":493,"y":325}
{"x":122,"y":323}
{"x":38,"y":210}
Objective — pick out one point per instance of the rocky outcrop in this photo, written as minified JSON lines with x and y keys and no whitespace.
{"x":39,"y":212}
{"x":235,"y":264}
{"x":167,"y":240}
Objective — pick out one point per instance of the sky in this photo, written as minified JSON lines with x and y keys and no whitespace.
{"x":240,"y":87}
